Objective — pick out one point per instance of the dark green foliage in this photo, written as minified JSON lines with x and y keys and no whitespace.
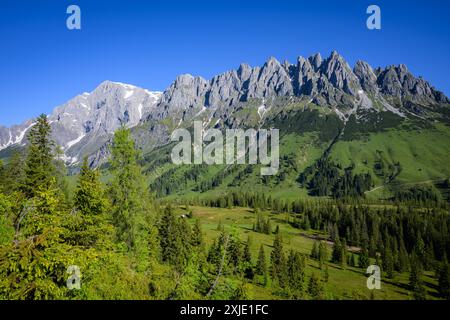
{"x":374,"y":122}
{"x":444,"y":280}
{"x":309,"y":121}
{"x":197,"y":234}
{"x":89,"y":197}
{"x":247,"y":256}
{"x":261,"y":264}
{"x":14,"y":174}
{"x":418,"y":195}
{"x":39,"y":167}
{"x":88,"y":219}
{"x":296,"y":264}
{"x":339,"y":254}
{"x":173,"y":232}
{"x":2,"y":176}
{"x":129,"y":249}
{"x":415,"y":280}
{"x":315,"y":251}
{"x":278,"y":263}
{"x":324,"y":178}
{"x":129,"y":194}
{"x":6,"y":221}
{"x":315,"y":288}
{"x":323,"y":253}
{"x":262,"y":224}
{"x":388,"y":263}
{"x":364,"y":261}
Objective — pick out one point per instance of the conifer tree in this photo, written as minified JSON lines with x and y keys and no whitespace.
{"x":87,"y":225}
{"x":129,"y":194}
{"x":402,"y":260}
{"x":315,"y":251}
{"x":338,"y":255}
{"x":352,"y":260}
{"x":277,"y":229}
{"x":247,"y":256}
{"x":89,"y":196}
{"x":14,"y":175}
{"x":323,"y":253}
{"x":197,"y":234}
{"x":278,"y":262}
{"x":261,"y":266}
{"x":296,"y":273}
{"x":326,"y":275}
{"x":388,"y":263}
{"x":415,"y":279}
{"x":247,"y":260}
{"x":344,"y":253}
{"x":444,"y":280}
{"x":241,"y":292}
{"x":235,"y":252}
{"x":364,"y":259}
{"x":39,"y":168}
{"x":315,"y":288}
{"x":172,"y":239}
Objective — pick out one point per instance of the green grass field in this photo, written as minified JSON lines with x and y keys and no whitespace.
{"x":348,"y":283}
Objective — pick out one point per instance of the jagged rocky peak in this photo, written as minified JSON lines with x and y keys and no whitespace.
{"x":328,"y":82}
{"x":315,"y":61}
{"x":339,"y":73}
{"x":87,"y":120}
{"x":366,"y":76}
{"x":185,"y":92}
{"x":399,"y":82}
{"x":244,"y":71}
{"x":85,"y":123}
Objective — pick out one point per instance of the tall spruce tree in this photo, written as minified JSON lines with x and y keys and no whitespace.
{"x":364,"y":259}
{"x":14,"y":176}
{"x":444,"y":280}
{"x":296,"y":273}
{"x":315,"y":251}
{"x":39,"y":168}
{"x":87,"y":225}
{"x":315,"y":287}
{"x":323,"y":253}
{"x":247,"y":255}
{"x":197,"y":234}
{"x":415,"y":279}
{"x":129,"y":194}
{"x":171,"y":235}
{"x":261,"y":266}
{"x":89,"y":196}
{"x":278,"y":262}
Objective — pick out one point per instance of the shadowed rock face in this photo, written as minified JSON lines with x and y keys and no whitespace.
{"x":85,"y":124}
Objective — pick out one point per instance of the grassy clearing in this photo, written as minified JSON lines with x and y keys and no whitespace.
{"x":348,"y":283}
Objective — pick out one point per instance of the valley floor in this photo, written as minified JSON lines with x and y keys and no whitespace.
{"x":343,"y":283}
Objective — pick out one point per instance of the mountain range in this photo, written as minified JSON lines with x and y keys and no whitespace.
{"x":314,"y":94}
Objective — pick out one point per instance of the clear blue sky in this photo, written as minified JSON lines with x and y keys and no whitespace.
{"x":148,"y":43}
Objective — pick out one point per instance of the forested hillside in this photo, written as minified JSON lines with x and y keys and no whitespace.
{"x":142,"y":228}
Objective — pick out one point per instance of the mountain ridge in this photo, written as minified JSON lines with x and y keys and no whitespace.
{"x":83,"y":125}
